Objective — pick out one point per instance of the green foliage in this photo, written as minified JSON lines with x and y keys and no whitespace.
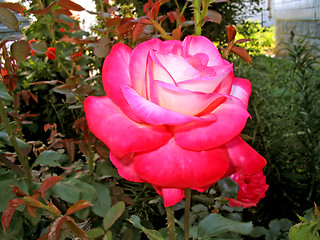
{"x":284,"y":128}
{"x":262,"y":39}
{"x":308,"y":228}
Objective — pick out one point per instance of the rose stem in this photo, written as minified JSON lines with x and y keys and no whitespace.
{"x":187,"y":213}
{"x":12,"y":137}
{"x":197,"y":16}
{"x":171,"y":223}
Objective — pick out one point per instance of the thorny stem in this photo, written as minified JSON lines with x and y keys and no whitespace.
{"x":11,"y":165}
{"x":91,"y":163}
{"x":23,"y":161}
{"x":187,"y":213}
{"x":171,"y":223}
{"x":197,"y":17}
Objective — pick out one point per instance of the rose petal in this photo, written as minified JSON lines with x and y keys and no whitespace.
{"x":178,"y":68}
{"x":122,"y":135}
{"x":171,"y":166}
{"x":183,"y":101}
{"x":115,"y":70}
{"x":244,"y":158}
{"x":241,"y":89}
{"x":125,"y":167}
{"x":138,"y":63}
{"x":139,"y":56}
{"x":210,"y":84}
{"x":231,"y":119}
{"x":115,"y":73}
{"x":198,"y":44}
{"x":154,"y":114}
{"x":171,"y":196}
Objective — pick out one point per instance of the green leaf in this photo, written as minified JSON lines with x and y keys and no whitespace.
{"x":39,"y":47}
{"x":105,"y":169}
{"x":50,"y":158}
{"x":228,"y":188}
{"x":152,"y":234}
{"x":20,"y":50}
{"x":9,"y":19}
{"x":101,"y":51}
{"x":15,"y":230}
{"x":4,"y":92}
{"x":108,"y":236}
{"x":7,"y":179}
{"x":103,"y":202}
{"x":113,"y":214}
{"x":72,"y":190}
{"x":215,"y":224}
{"x":4,"y":138}
{"x":308,"y":230}
{"x":96,"y":232}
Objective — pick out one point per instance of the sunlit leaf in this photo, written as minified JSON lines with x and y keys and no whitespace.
{"x":20,"y":50}
{"x":9,"y":19}
{"x":39,"y":47}
{"x":49,"y":183}
{"x":113,"y":214}
{"x":152,"y":234}
{"x":78,"y":206}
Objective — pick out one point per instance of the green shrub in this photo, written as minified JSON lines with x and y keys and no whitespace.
{"x":262,"y":39}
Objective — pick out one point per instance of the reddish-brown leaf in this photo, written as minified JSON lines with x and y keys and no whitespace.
{"x":242,"y":53}
{"x":33,"y":97}
{"x":36,"y":194}
{"x":173,"y":16}
{"x":145,"y":21}
{"x":71,"y":5}
{"x":125,"y":26}
{"x":8,"y":213}
{"x":68,"y":144}
{"x":53,"y":209}
{"x":231,"y":31}
{"x":48,"y":183}
{"x":102,"y":150}
{"x":75,"y":229}
{"x":52,"y":82}
{"x":32,"y":211}
{"x":17,"y":191}
{"x":13,"y":6}
{"x":155,"y":10}
{"x":112,"y":22}
{"x":42,"y":12}
{"x":139,"y":27}
{"x":56,"y":228}
{"x":243,"y":40}
{"x":213,"y":16}
{"x":176,"y":33}
{"x":79,"y":123}
{"x":78,"y":206}
{"x":25,"y":95}
{"x":44,"y":237}
{"x":63,"y":11}
{"x":83,"y":146}
{"x":30,"y":201}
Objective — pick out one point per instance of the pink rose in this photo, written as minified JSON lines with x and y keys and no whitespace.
{"x":173,"y":115}
{"x":251,"y":189}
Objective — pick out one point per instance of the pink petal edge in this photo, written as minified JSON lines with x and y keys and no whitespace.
{"x":121,"y":134}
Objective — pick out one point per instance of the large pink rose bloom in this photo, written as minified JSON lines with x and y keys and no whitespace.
{"x":173,"y":115}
